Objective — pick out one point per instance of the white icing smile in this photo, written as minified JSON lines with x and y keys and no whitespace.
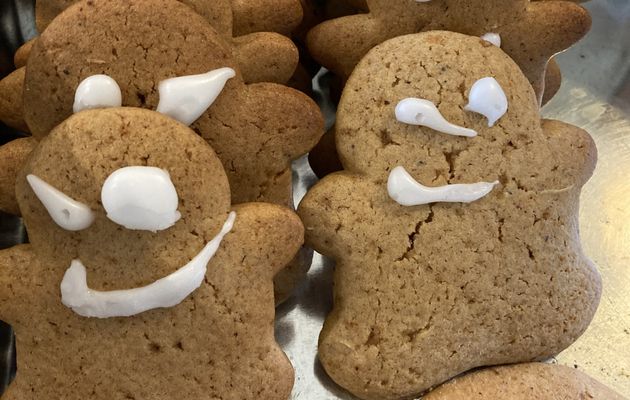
{"x":166,"y":292}
{"x":406,"y":191}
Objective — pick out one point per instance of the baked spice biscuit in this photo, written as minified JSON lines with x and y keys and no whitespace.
{"x":525,"y":382}
{"x":455,"y":223}
{"x":257,"y":130}
{"x":93,"y":313}
{"x":530,"y":32}
{"x":21,"y":55}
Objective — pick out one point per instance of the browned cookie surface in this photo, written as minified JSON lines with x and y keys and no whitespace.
{"x":424,"y":293}
{"x":11,"y":111}
{"x":524,"y":382}
{"x":217,"y":343}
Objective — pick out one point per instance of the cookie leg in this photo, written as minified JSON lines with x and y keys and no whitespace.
{"x":12,"y":156}
{"x":11,"y":112}
{"x":266,"y":57}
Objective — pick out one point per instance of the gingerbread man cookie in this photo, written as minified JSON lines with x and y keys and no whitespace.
{"x":256,"y":130}
{"x":454,"y":225}
{"x":525,"y":382}
{"x":530,"y":32}
{"x":141,"y":280}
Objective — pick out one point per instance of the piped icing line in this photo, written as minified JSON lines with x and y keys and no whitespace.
{"x":487,"y":98}
{"x":421,"y":112}
{"x":97,"y":91}
{"x":186,"y":98}
{"x":141,"y":198}
{"x":163,"y":293}
{"x":68,"y":213}
{"x":493,"y":38}
{"x":406,"y":191}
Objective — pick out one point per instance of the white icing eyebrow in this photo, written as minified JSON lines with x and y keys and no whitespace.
{"x":406,"y":191}
{"x":97,"y":91}
{"x":186,"y":98}
{"x":487,"y":98}
{"x":421,"y":112}
{"x":68,"y":213}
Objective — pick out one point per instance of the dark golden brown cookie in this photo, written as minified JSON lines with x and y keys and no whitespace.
{"x":525,"y":382}
{"x":257,"y":130}
{"x":80,"y":339}
{"x":21,"y":55}
{"x":531,"y":32}
{"x":430,"y":283}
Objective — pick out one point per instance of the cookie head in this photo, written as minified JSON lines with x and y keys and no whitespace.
{"x":130,"y":194}
{"x":138,"y":44}
{"x":413,"y":101}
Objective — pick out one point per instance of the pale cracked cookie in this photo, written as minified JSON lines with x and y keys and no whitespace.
{"x":430,"y":283}
{"x":120,"y":296}
{"x":525,"y":382}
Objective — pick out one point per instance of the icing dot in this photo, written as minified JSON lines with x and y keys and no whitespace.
{"x":493,"y":38}
{"x":487,"y":98}
{"x":97,"y":91}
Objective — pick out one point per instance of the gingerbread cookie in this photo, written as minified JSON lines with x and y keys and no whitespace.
{"x":530,"y":32}
{"x":454,"y":226}
{"x":257,"y":130}
{"x":141,"y":281}
{"x":525,"y":382}
{"x":12,"y":156}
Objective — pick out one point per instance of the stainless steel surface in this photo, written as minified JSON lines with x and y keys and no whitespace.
{"x":596,"y":96}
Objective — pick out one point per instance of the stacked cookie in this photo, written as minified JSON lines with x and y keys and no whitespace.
{"x":156,"y":187}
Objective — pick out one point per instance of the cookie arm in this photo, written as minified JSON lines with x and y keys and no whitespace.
{"x":266,"y":57}
{"x":574,"y":151}
{"x":12,"y":156}
{"x":11,"y":112}
{"x":339,"y":44}
{"x":281,"y":16}
{"x":264,"y":239}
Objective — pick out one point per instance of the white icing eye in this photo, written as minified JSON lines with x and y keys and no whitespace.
{"x":493,"y":38}
{"x":406,"y":191}
{"x":186,"y":98}
{"x":423,"y":112}
{"x":487,"y":98}
{"x":69,"y":214}
{"x":97,"y":91}
{"x":141,"y":198}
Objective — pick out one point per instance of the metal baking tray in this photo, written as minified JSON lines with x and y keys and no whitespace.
{"x":595,"y":95}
